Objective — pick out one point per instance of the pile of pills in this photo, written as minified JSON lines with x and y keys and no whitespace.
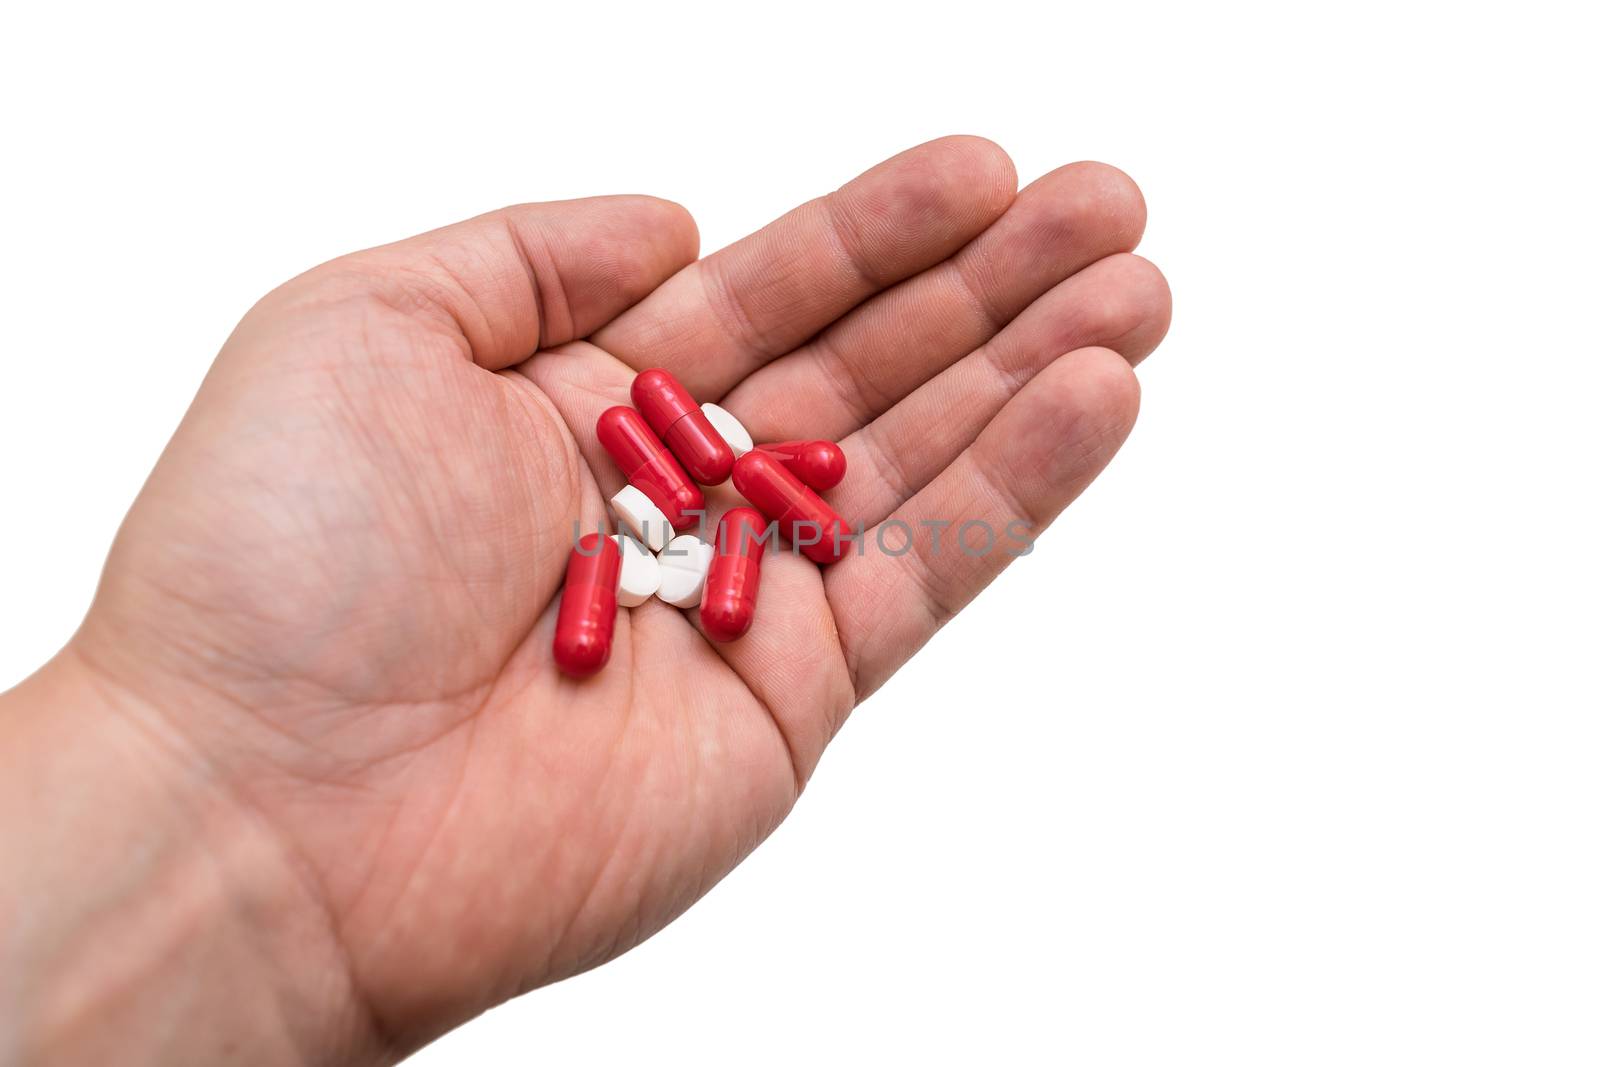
{"x":667,"y":447}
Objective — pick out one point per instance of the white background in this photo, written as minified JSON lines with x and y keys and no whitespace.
{"x":1283,"y":747}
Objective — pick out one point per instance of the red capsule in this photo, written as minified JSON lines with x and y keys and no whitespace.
{"x":588,"y":606}
{"x":728,"y":605}
{"x":803,"y":518}
{"x":641,"y":456}
{"x":819,"y":464}
{"x":678,"y":420}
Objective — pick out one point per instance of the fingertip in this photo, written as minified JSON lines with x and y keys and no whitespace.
{"x":1093,"y":395}
{"x":983,"y":168}
{"x":643,"y":238}
{"x":1152,"y":293}
{"x":1070,"y":419}
{"x":595,"y":257}
{"x":1090,"y":194}
{"x":991,"y":163}
{"x":960,"y":183}
{"x":672,"y":220}
{"x":1130,"y":308}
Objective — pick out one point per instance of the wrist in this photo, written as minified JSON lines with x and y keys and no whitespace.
{"x":151,"y":916}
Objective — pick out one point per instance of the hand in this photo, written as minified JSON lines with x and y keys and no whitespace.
{"x":324,"y":630}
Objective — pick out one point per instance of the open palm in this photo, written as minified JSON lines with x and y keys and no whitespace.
{"x":337,"y":591}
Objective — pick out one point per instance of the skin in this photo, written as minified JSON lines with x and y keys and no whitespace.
{"x":306,"y":785}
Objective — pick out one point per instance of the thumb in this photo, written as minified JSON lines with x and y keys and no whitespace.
{"x":527,"y":277}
